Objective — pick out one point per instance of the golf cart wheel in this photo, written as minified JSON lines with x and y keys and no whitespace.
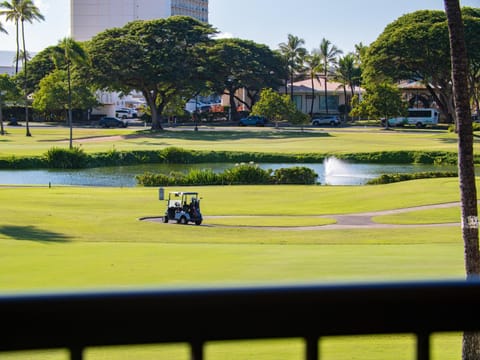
{"x":165,"y":219}
{"x":198,"y":222}
{"x":182,"y":220}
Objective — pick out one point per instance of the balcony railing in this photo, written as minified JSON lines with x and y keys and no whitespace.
{"x":196,"y":316}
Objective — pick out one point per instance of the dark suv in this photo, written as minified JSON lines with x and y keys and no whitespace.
{"x":109,"y":121}
{"x":253,"y":120}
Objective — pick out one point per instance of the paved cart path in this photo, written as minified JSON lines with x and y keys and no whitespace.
{"x":347,"y":221}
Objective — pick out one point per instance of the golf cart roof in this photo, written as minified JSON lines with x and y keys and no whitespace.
{"x":180,"y":193}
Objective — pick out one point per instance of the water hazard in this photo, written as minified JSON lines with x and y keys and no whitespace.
{"x":331,"y":172}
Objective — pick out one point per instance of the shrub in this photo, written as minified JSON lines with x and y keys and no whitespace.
{"x":392,"y":178}
{"x":59,"y":158}
{"x":247,"y":174}
{"x":295,"y":175}
{"x":176,"y":155}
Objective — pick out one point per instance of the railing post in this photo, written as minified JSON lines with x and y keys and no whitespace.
{"x":76,"y":353}
{"x":311,"y":352}
{"x":196,"y":350}
{"x":423,"y":346}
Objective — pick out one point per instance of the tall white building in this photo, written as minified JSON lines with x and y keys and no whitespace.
{"x":89,"y":17}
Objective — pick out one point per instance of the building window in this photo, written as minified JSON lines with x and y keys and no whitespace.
{"x":297,"y":100}
{"x":332,"y":103}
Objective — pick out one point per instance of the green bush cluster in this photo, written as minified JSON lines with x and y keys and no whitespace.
{"x":174,"y":155}
{"x":60,"y":158}
{"x":241,"y":174}
{"x":404,"y":157}
{"x":14,"y":162}
{"x":296,"y":175}
{"x":392,"y":178}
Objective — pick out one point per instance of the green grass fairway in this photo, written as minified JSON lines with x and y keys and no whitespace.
{"x":80,"y":237}
{"x":434,"y":216}
{"x":70,"y":238}
{"x":286,"y":140}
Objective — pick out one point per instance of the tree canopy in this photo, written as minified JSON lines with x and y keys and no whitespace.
{"x":243,"y":64}
{"x":278,"y":107}
{"x":415,"y":47}
{"x":162,"y":58}
{"x":380,"y":100}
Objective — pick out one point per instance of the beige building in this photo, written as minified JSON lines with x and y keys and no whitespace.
{"x":89,"y":17}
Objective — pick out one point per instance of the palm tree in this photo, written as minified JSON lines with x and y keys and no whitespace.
{"x":313,"y":64}
{"x":466,"y":169}
{"x":68,"y":52}
{"x":20,"y":11}
{"x":328,"y":52}
{"x":294,"y":54}
{"x":348,"y":72}
{"x":2,"y":29}
{"x":11,"y":13}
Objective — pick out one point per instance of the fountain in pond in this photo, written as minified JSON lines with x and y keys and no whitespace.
{"x":339,"y":172}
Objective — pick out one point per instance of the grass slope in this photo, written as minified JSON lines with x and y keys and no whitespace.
{"x":331,"y":141}
{"x":82,"y":238}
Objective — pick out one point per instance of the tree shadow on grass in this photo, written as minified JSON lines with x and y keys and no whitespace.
{"x":33,"y":233}
{"x":216,"y":136}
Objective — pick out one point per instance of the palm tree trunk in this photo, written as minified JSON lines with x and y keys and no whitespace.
{"x":326,"y":94}
{"x":69,"y":105}
{"x":25,"y":87}
{"x":17,"y":57}
{"x":313,"y":95}
{"x":466,"y":170}
{"x":2,"y":131}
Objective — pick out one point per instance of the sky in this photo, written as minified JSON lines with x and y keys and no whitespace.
{"x":343,"y":22}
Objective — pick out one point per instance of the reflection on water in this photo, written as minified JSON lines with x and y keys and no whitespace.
{"x":331,"y":172}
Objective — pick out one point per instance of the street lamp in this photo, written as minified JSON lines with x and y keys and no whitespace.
{"x":2,"y":132}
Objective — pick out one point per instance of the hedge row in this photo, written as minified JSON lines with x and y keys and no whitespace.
{"x":241,"y":174}
{"x":392,"y":178}
{"x":75,"y":158}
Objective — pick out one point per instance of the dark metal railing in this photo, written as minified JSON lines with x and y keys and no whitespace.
{"x":196,"y":316}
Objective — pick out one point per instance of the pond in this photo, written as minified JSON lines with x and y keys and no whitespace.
{"x":332,"y":172}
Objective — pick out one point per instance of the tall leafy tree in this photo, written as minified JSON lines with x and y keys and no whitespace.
{"x":328,"y":54}
{"x":381,"y":100}
{"x":69,"y":52}
{"x":468,"y":192}
{"x":294,"y":54}
{"x":243,"y":64}
{"x":278,"y":107}
{"x":415,"y":47}
{"x":8,"y":90}
{"x":163,"y":59}
{"x":38,"y":67}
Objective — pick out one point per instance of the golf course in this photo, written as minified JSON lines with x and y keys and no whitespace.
{"x":65,"y":238}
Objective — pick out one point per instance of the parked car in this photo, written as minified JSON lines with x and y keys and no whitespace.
{"x":109,"y":121}
{"x":125,"y":113}
{"x":333,"y":120}
{"x":253,"y":120}
{"x":192,"y":106}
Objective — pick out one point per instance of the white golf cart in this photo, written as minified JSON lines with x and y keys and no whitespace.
{"x":183,"y":207}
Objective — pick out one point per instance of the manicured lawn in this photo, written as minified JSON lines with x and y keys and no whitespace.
{"x":68,"y":238}
{"x":288,"y":140}
{"x":433,"y":216}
